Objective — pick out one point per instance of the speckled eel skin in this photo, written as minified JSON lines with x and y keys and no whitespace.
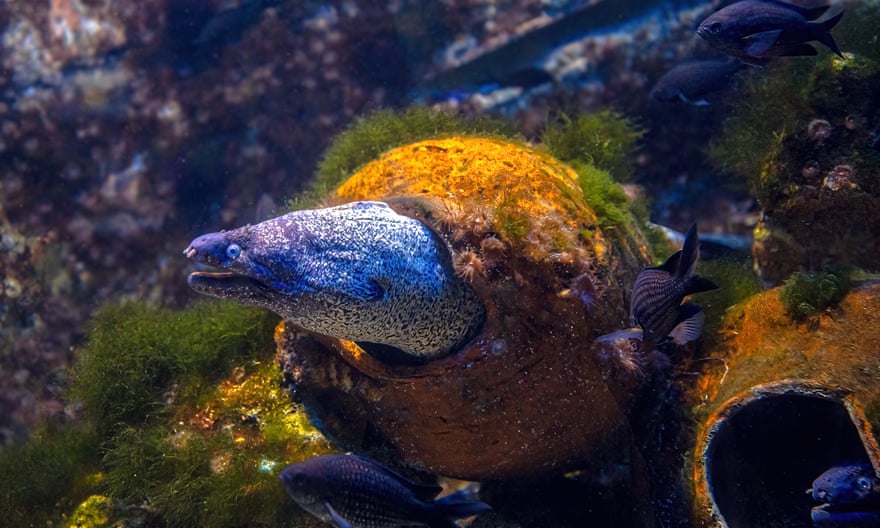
{"x":359,"y":271}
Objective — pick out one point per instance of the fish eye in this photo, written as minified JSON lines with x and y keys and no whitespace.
{"x":864,"y":484}
{"x":233,"y":251}
{"x":715,"y":27}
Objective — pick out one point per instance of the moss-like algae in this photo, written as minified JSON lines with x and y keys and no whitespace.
{"x":138,"y":355}
{"x":805,"y":294}
{"x":736,"y":282}
{"x":371,"y":135}
{"x":188,"y":411}
{"x":48,"y":475}
{"x":604,"y":139}
{"x":600,"y":148}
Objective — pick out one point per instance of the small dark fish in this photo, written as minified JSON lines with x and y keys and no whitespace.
{"x":850,"y":495}
{"x":656,"y":310}
{"x":752,"y":30}
{"x":692,"y":81}
{"x":350,"y":491}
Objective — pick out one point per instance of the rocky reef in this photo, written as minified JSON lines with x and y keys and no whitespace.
{"x":805,"y":137}
{"x":785,"y":400}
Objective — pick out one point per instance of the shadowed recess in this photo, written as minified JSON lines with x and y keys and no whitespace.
{"x":764,"y":456}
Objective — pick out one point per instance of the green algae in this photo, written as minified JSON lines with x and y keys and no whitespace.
{"x":188,"y":412}
{"x":605,"y":196}
{"x":369,"y":136}
{"x":806,"y":294}
{"x":736,"y":282}
{"x":604,"y":139}
{"x":48,"y":475}
{"x":600,"y":147}
{"x":136,"y":354}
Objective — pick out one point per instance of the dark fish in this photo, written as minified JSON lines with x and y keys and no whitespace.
{"x":656,"y":310}
{"x":691,"y":82}
{"x":850,"y":495}
{"x":753,"y":30}
{"x":350,"y":491}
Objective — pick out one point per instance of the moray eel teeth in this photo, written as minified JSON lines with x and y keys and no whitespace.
{"x":359,"y":271}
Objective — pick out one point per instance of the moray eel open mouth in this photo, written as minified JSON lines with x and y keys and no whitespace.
{"x":222,"y":283}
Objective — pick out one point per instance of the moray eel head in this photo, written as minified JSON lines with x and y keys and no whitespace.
{"x":850,"y":495}
{"x":359,"y":271}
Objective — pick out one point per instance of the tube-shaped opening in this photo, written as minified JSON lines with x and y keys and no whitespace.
{"x":765,"y":454}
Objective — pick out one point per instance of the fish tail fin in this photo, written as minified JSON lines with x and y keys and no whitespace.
{"x":690,"y":254}
{"x":824,"y":33}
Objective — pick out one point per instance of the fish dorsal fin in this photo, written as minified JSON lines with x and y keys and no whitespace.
{"x":423,"y":492}
{"x":670,"y":265}
{"x":690,"y":254}
{"x":809,"y":13}
{"x":690,"y":324}
{"x":338,"y":520}
{"x":758,"y":43}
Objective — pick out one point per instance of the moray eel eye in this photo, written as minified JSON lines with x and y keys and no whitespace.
{"x":233,"y":251}
{"x":715,"y":27}
{"x":864,"y":484}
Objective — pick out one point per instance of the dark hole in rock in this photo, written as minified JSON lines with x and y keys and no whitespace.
{"x":764,"y":456}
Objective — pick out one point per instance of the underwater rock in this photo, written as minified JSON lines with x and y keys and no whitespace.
{"x":528,"y":395}
{"x":787,"y":401}
{"x":806,"y":141}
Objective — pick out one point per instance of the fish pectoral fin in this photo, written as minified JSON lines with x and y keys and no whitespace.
{"x":691,"y":319}
{"x":758,"y":43}
{"x":337,"y":519}
{"x":628,"y":333}
{"x":698,"y":102}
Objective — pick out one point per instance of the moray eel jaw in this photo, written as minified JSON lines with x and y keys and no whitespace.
{"x":360,"y":272}
{"x":225,"y":284}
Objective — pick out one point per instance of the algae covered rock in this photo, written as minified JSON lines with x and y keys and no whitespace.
{"x":805,"y":139}
{"x":784,"y":400}
{"x":528,"y":393}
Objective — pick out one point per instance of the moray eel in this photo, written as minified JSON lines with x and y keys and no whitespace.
{"x":359,"y":271}
{"x":850,"y":495}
